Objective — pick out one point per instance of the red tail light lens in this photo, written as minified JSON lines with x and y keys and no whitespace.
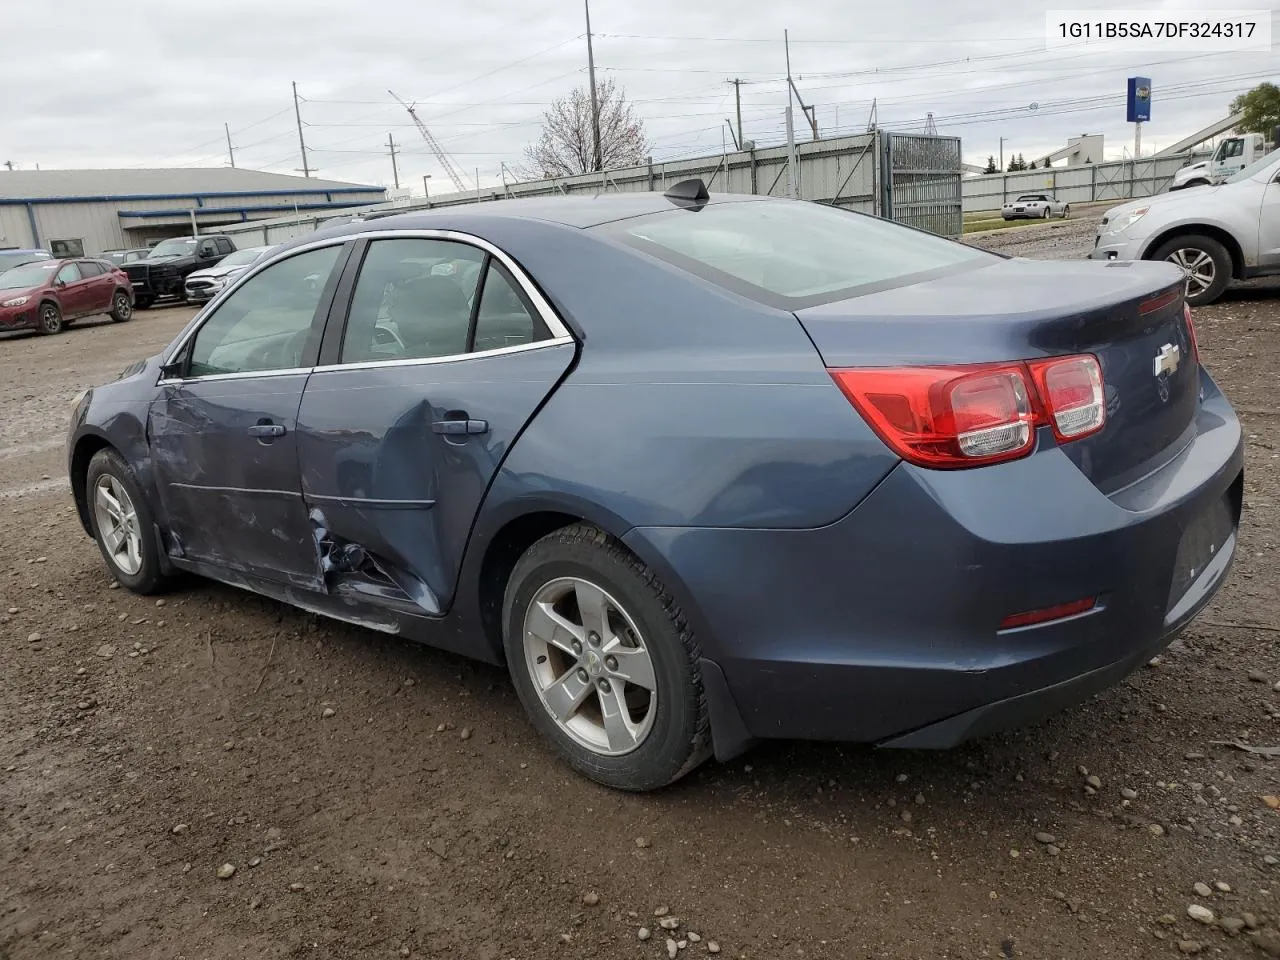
{"x":1071,"y":389}
{"x":966,"y":416}
{"x":1048,"y":614}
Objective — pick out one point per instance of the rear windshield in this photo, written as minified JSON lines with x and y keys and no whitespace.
{"x":795,"y":254}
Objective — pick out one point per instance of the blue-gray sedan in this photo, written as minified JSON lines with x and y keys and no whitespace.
{"x":698,"y":470}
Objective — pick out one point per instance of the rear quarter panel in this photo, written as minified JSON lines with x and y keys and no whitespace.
{"x":688,"y":405}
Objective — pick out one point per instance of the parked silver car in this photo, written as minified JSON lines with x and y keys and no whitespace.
{"x":206,"y":284}
{"x":1034,"y":206}
{"x":1215,"y":234}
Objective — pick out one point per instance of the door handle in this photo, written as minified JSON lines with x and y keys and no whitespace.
{"x":460,"y":426}
{"x":265,"y":430}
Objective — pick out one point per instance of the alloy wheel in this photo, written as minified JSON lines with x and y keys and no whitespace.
{"x":124,"y":309}
{"x":118,"y":524}
{"x":590,"y":666}
{"x":1197,"y":267}
{"x":50,"y":319}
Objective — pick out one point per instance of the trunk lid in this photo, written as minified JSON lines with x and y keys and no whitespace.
{"x":1127,"y":314}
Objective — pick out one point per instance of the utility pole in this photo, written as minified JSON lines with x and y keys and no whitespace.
{"x":793,"y":175}
{"x":595,"y":103}
{"x":297,"y":113}
{"x":395,"y":172}
{"x":1002,"y":140}
{"x":737,"y":103}
{"x":426,"y":192}
{"x":230,"y":152}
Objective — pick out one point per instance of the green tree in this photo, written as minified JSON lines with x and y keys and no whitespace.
{"x":1033,"y":164}
{"x":991,"y":165}
{"x":1261,"y":108}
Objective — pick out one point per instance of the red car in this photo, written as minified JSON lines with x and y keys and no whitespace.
{"x":46,"y":295}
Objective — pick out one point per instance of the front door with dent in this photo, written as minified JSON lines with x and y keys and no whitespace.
{"x":224,"y":430}
{"x":444,"y":356}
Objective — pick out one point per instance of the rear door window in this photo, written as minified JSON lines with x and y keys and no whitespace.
{"x":794,"y":254}
{"x":69,"y":274}
{"x":412,"y":301}
{"x":89,"y":268}
{"x":504,"y":318}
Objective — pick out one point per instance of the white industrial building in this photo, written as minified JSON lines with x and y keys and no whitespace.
{"x":85,"y":212}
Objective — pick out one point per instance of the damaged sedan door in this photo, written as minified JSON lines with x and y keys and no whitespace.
{"x":445,"y":354}
{"x":223,"y":429}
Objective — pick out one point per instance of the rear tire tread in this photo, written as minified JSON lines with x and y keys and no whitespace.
{"x":585,"y":535}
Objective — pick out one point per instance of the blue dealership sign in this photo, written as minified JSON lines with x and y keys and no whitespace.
{"x":1139,"y":110}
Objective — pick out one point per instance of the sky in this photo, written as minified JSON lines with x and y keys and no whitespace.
{"x":152,"y":83}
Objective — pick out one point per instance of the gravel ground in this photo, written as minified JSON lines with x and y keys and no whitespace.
{"x":215,"y":775}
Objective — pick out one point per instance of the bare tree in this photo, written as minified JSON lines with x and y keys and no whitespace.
{"x":567,"y":144}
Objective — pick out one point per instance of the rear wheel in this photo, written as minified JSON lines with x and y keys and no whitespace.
{"x":604,"y":662}
{"x":1196,"y":183}
{"x":1045,"y":214}
{"x":1205,"y":264}
{"x":49,"y":319}
{"x":122,"y":524}
{"x":1066,"y":210}
{"x":121,"y":308}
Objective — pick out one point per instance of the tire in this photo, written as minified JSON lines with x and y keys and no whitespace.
{"x":121,"y":308}
{"x":109,"y":469}
{"x":1196,"y":183}
{"x":672,"y":735}
{"x":1045,"y":215}
{"x":143,"y":303}
{"x":1212,"y":265}
{"x":49,"y":319}
{"x":1066,"y":210}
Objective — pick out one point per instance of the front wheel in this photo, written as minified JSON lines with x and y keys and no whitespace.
{"x":49,"y":319}
{"x":121,"y":308}
{"x":1066,"y":211}
{"x":121,"y":522}
{"x":604,"y":662}
{"x":1205,"y":263}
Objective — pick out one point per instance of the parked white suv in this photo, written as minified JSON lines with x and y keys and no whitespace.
{"x":1215,"y":234}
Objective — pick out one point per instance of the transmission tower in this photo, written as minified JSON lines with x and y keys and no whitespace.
{"x":444,"y":159}
{"x":930,"y":128}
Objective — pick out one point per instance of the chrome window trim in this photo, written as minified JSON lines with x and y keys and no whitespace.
{"x":559,"y":332}
{"x":371,"y":364}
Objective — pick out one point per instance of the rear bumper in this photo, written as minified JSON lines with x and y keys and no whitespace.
{"x":884,"y":626}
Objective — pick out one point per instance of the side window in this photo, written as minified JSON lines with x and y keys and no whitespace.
{"x":1235,"y":148}
{"x":504,"y":318}
{"x":89,"y":269}
{"x":412,"y":300}
{"x":224,"y":245}
{"x":269,"y":322}
{"x":69,"y":274}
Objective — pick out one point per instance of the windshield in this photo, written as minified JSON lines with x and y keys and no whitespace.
{"x":240,"y":258}
{"x":1255,"y":168}
{"x":172,"y":248}
{"x":31,"y":275}
{"x":1031,"y":197}
{"x":793,"y":254}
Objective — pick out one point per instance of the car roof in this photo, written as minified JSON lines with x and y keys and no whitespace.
{"x":570,"y":211}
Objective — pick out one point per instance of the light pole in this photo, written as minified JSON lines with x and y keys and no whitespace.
{"x":425,"y":192}
{"x":1002,"y":140}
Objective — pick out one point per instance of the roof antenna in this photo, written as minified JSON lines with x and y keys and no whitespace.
{"x":692,"y":193}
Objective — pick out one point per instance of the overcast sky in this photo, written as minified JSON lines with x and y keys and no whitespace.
{"x":150,"y":83}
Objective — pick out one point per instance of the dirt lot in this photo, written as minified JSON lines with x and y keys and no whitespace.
{"x":145,"y":745}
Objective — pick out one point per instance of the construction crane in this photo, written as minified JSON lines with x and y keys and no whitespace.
{"x":445,"y":161}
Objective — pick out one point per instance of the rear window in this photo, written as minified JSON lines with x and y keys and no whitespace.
{"x":795,"y":254}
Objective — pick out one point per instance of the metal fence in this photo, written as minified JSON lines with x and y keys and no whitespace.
{"x":845,"y":171}
{"x":1117,"y":180}
{"x":922,"y":182}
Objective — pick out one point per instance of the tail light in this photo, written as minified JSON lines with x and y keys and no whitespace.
{"x":950,"y":417}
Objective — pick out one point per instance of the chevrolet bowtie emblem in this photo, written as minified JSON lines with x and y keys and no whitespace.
{"x":1166,"y":361}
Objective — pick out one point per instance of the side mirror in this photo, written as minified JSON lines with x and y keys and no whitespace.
{"x":175,"y":369}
